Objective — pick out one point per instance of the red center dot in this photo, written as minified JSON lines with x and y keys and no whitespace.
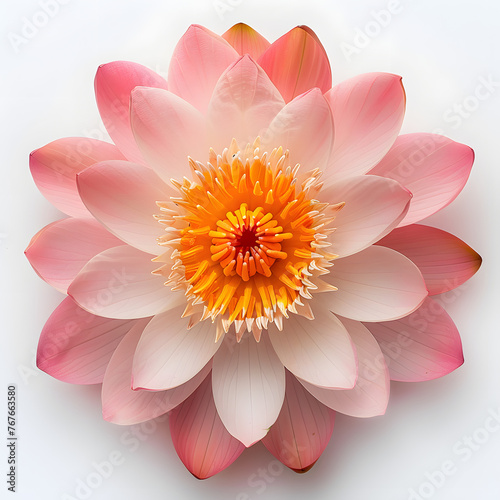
{"x":247,"y":239}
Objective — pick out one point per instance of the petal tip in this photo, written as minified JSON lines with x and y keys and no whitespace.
{"x":102,"y":68}
{"x":108,"y":416}
{"x":240,"y":26}
{"x":195,"y":26}
{"x":247,"y":443}
{"x":479,"y":261}
{"x":200,"y":478}
{"x":305,"y":469}
{"x":309,"y":31}
{"x":141,"y":89}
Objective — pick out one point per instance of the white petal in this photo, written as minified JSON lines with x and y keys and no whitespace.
{"x":370,"y":395}
{"x":377,"y":284}
{"x":243,"y":104}
{"x":373,"y":207}
{"x":319,"y":350}
{"x":167,"y":130}
{"x":169,"y":354}
{"x":304,"y":127}
{"x":249,"y":387}
{"x":121,"y":405}
{"x":122,"y":196}
{"x":118,"y":283}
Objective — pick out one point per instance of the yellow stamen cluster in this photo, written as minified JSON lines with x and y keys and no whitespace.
{"x":247,"y":243}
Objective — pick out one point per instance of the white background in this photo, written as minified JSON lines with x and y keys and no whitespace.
{"x":443,"y":50}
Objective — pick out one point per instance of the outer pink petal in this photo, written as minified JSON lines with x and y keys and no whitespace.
{"x":246,"y":40}
{"x":249,"y":386}
{"x":303,"y":428}
{"x":444,"y":260}
{"x":170,"y":352}
{"x":167,"y":130}
{"x":199,"y":436}
{"x":368,"y":111}
{"x":113,"y":84}
{"x":76,"y":346}
{"x":434,"y":168}
{"x":243,"y":104}
{"x":118,"y":283}
{"x":297,"y":62}
{"x":122,"y":405}
{"x":199,"y":59}
{"x":304,"y":127}
{"x":319,"y":351}
{"x":376,"y":284}
{"x":422,"y":346}
{"x":60,"y":250}
{"x":370,"y":395}
{"x":373,"y":207}
{"x":54,"y":168}
{"x":123,"y":196}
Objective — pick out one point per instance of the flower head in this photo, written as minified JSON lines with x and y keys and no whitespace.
{"x":248,"y":240}
{"x":246,"y":255}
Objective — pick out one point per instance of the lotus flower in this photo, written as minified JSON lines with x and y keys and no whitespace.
{"x":246,"y":254}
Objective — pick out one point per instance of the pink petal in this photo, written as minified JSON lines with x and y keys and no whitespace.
{"x":54,"y":168}
{"x":170,"y":353}
{"x":303,"y":429}
{"x":319,"y":350}
{"x":76,"y":346}
{"x":376,"y":284}
{"x":422,"y":346}
{"x":297,"y":62}
{"x":167,"y":130}
{"x":243,"y":104}
{"x":249,"y":386}
{"x":245,"y":40}
{"x":113,"y":84}
{"x":368,"y":112}
{"x":199,"y":436}
{"x":118,"y":283}
{"x":304,"y":127}
{"x":444,"y":260}
{"x":199,"y":59}
{"x":370,"y":395}
{"x":373,"y":207}
{"x":434,"y":168}
{"x":122,"y":405}
{"x":123,"y":196}
{"x":60,"y":250}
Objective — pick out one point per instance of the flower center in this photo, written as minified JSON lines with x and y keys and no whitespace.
{"x":247,"y":241}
